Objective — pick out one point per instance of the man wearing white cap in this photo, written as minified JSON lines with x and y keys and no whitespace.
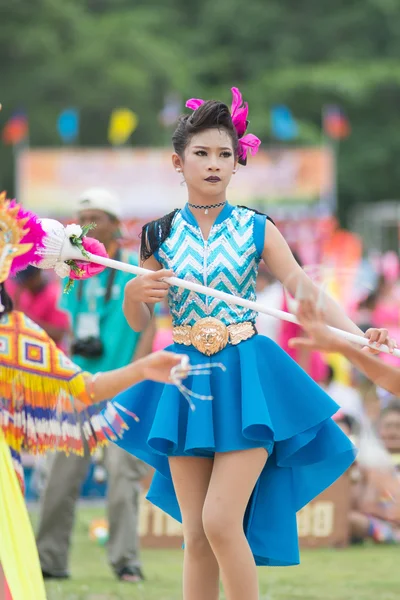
{"x":102,"y":341}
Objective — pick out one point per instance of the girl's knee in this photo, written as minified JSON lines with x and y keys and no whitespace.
{"x":196,"y":542}
{"x":219,"y":526}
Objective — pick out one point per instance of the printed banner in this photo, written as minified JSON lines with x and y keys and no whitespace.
{"x":278,"y":181}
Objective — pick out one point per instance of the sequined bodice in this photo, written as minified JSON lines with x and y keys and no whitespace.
{"x":227,"y":261}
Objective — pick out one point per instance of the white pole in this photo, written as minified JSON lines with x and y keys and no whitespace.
{"x":229,"y":298}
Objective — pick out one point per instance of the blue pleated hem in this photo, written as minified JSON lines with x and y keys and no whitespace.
{"x":264,"y":399}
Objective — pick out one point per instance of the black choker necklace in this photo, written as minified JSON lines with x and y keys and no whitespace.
{"x":207,"y":207}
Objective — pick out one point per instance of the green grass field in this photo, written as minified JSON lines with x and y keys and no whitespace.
{"x":358,"y":573}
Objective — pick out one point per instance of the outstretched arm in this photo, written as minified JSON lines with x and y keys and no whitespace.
{"x":282,"y":264}
{"x":156,"y":366}
{"x":323,"y":339}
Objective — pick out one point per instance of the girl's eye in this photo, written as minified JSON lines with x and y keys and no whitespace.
{"x":225,"y":154}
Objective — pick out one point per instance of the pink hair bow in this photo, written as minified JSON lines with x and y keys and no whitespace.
{"x":239,"y":112}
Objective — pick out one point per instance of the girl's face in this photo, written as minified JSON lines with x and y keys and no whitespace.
{"x":389,"y":430}
{"x":208,"y":162}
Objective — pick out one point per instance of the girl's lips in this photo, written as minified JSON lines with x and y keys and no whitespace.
{"x":213,"y":179}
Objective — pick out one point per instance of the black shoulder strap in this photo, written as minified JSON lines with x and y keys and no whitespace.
{"x":154,"y":235}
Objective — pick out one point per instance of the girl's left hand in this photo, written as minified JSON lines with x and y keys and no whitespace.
{"x":377,"y":337}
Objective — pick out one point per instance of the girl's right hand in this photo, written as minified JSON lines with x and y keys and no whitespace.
{"x":150,"y":288}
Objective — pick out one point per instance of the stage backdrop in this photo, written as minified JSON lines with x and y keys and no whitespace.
{"x":285,"y":182}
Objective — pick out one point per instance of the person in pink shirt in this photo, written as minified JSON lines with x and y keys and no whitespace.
{"x":37,"y":297}
{"x":312,"y":363}
{"x":163,"y":335}
{"x":386,"y":311}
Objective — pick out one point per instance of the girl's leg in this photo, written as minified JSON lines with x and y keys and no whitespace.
{"x":232,"y":482}
{"x":191,"y":477}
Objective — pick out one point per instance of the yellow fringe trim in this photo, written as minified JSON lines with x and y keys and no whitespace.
{"x":43,"y":391}
{"x":19,"y":389}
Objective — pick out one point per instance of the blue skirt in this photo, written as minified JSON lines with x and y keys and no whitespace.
{"x":263,"y":399}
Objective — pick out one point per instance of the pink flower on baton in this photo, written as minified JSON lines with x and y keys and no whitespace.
{"x":88,"y":269}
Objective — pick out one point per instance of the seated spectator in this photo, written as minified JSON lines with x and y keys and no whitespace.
{"x":346,"y":423}
{"x":376,"y":491}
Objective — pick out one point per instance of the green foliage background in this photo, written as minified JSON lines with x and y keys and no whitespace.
{"x":99,"y":54}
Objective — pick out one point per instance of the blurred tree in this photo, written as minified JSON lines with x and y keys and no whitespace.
{"x":100,"y":54}
{"x":58,"y":53}
{"x":308,"y":56}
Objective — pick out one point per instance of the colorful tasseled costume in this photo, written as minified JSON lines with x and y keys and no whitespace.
{"x":43,"y":399}
{"x":44,"y":405}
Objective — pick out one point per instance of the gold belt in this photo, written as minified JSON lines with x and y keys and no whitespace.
{"x":209,"y":335}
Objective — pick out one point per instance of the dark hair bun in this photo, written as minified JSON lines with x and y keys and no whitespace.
{"x":210,"y":115}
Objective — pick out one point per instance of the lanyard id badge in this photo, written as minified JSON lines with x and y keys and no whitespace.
{"x":88,"y":325}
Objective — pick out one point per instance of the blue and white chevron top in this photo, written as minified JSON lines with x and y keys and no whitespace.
{"x":227,"y":261}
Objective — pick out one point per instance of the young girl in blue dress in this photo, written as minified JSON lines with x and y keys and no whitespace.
{"x":237,"y":468}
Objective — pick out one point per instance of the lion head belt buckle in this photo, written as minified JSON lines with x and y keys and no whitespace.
{"x":209,"y":336}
